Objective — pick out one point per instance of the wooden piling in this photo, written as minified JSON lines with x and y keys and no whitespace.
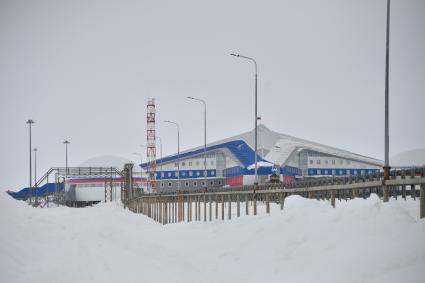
{"x":254,"y":197}
{"x":216,"y":206}
{"x":210,"y":204}
{"x":246,"y":205}
{"x":222,"y":207}
{"x":333,"y":193}
{"x":267,"y":204}
{"x":238,"y":208}
{"x":205,"y":208}
{"x":281,"y":200}
{"x":230,"y":206}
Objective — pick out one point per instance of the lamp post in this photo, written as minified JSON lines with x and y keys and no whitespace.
{"x":30,"y":122}
{"x":387,"y":62}
{"x":35,"y":176}
{"x":256,"y":117}
{"x":205,"y":137}
{"x":178,"y":151}
{"x":66,"y":157}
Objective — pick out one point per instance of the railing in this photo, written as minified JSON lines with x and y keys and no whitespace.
{"x":173,"y":207}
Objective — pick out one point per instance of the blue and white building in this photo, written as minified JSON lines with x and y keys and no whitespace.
{"x":230,"y":162}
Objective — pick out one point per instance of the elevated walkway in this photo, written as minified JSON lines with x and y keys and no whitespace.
{"x":46,"y":189}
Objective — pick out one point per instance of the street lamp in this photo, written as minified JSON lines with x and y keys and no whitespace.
{"x":256,"y":117}
{"x":178,"y":151}
{"x":30,"y":122}
{"x":387,"y":62}
{"x":66,"y":157}
{"x":35,"y":176}
{"x":205,"y":137}
{"x":35,"y":167}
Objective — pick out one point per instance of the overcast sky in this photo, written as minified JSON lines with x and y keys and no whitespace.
{"x":83,"y":71}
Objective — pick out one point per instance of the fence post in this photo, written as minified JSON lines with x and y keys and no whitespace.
{"x":255,"y":203}
{"x":210,"y":203}
{"x":230,"y":206}
{"x":222,"y":207}
{"x":267,"y":204}
{"x":199,"y":208}
{"x":205,"y":208}
{"x":246,"y":204}
{"x":333,"y":198}
{"x":238,"y":208}
{"x":216,"y":206}
{"x":281,"y":200}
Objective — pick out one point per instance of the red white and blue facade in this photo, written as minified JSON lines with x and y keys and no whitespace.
{"x":230,"y":162}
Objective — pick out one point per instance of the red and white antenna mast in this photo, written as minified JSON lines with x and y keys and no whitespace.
{"x":151,"y":145}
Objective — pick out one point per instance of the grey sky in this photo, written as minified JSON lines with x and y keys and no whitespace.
{"x":83,"y":70}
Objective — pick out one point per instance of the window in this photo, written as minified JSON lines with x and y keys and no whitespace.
{"x":169,"y":174}
{"x":190,"y":163}
{"x":162,"y":174}
{"x":187,"y":184}
{"x":195,"y":184}
{"x":340,"y":161}
{"x":183,"y":173}
{"x":326,"y":161}
{"x":319,"y":172}
{"x":190,"y":173}
{"x":176,"y":174}
{"x":333,"y":172}
{"x":348,"y":162}
{"x":347,"y":172}
{"x":176,"y":164}
{"x":333,"y":161}
{"x":162,"y":185}
{"x":326,"y":172}
{"x":212,"y":173}
{"x":203,"y":183}
{"x":362,"y":172}
{"x":355,"y":172}
{"x":183,"y":164}
{"x":311,"y":161}
{"x":197,"y":163}
{"x":198,"y":173}
{"x":169,"y":184}
{"x":318,"y":161}
{"x":340,"y":172}
{"x":212,"y":162}
{"x":219,"y":182}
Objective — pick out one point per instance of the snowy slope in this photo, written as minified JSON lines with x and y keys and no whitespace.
{"x":359,"y":241}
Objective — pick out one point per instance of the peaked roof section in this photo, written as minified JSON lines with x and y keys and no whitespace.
{"x":279,"y":148}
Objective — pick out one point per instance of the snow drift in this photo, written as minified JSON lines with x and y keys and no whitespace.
{"x":359,"y":241}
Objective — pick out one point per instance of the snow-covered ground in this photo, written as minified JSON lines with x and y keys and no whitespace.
{"x":359,"y":241}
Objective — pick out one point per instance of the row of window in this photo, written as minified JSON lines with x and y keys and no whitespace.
{"x":190,"y":163}
{"x":333,"y":162}
{"x":194,"y":183}
{"x":340,"y":171}
{"x":175,"y":174}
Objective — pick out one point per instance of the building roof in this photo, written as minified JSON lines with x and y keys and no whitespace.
{"x":272,"y":147}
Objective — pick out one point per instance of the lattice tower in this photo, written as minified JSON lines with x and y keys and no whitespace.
{"x":151,"y":145}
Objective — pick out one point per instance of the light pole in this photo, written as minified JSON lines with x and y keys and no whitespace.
{"x":160,"y":150}
{"x":35,"y":167}
{"x":256,"y":117}
{"x":35,"y":176}
{"x":66,"y":157}
{"x":178,"y":152}
{"x":387,"y":62}
{"x":205,"y":137}
{"x":30,"y":122}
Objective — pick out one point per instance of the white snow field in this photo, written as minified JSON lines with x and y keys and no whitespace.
{"x":359,"y":241}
